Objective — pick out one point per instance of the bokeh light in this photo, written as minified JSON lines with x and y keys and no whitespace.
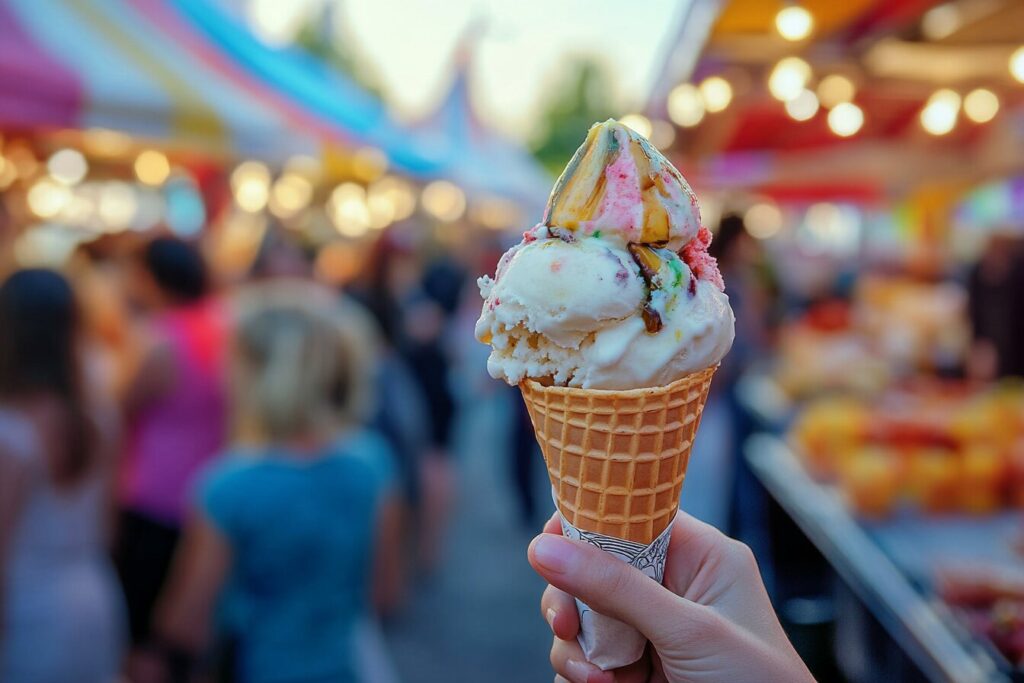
{"x":67,"y":166}
{"x":763,"y":220}
{"x":152,"y":167}
{"x":1017,"y":64}
{"x":444,"y":200}
{"x":940,"y":113}
{"x":941,"y":21}
{"x":846,"y":119}
{"x":803,"y":107}
{"x":290,"y":194}
{"x":685,"y":105}
{"x":716,"y":92}
{"x":794,"y":23}
{"x":981,"y":105}
{"x":250,"y":181}
{"x":348,"y":211}
{"x":47,"y":198}
{"x":789,"y":78}
{"x":400,"y":195}
{"x":835,"y":89}
{"x":117,"y":206}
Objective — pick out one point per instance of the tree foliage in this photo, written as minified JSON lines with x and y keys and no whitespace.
{"x":584,"y":98}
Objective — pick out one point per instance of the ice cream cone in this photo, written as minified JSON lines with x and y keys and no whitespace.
{"x":617,"y":459}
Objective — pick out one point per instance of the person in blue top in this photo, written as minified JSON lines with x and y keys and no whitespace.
{"x":297,"y":523}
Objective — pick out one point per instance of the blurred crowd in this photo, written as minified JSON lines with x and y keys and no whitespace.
{"x":237,"y":480}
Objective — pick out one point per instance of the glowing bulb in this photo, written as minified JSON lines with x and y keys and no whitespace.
{"x":835,"y":89}
{"x":763,"y":220}
{"x":981,"y":105}
{"x":638,"y":122}
{"x":789,"y":78}
{"x":152,"y":167}
{"x":803,"y":107}
{"x":46,"y":198}
{"x":685,"y":105}
{"x":67,"y":166}
{"x":444,"y":200}
{"x":290,"y":194}
{"x":845,"y":119}
{"x":399,"y":194}
{"x":1017,"y":64}
{"x":717,"y":93}
{"x":939,"y":116}
{"x":348,"y":211}
{"x":250,"y":182}
{"x":794,"y":23}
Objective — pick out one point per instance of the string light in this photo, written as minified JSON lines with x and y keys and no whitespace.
{"x":348,"y":211}
{"x":685,"y":105}
{"x":717,"y":93}
{"x":794,"y":23}
{"x":1017,"y":64}
{"x":67,"y":166}
{"x":803,"y":107}
{"x":789,"y":78}
{"x":250,"y":182}
{"x":939,"y":116}
{"x":152,"y":167}
{"x":981,"y":105}
{"x":845,"y":119}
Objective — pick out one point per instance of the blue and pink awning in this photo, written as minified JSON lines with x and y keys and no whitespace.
{"x":185,"y":73}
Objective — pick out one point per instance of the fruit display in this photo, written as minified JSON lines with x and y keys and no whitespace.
{"x":934,"y":447}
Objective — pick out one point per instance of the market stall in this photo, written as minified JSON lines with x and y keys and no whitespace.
{"x":871,"y":151}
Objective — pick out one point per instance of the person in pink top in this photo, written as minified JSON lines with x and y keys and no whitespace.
{"x":176,"y":416}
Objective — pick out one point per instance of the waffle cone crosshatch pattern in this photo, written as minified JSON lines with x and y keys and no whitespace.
{"x":617,"y":459}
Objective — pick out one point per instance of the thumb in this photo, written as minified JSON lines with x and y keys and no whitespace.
{"x":616,"y":589}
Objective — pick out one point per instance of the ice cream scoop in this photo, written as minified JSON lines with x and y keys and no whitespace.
{"x":614,"y":289}
{"x":618,"y":186}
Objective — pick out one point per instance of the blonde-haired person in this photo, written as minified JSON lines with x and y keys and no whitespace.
{"x":300,"y":514}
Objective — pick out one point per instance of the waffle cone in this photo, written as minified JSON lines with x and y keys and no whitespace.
{"x":617,"y":459}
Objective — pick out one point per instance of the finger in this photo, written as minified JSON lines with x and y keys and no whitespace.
{"x":691,"y":543}
{"x":637,"y":672}
{"x":612,"y":587}
{"x":553,"y":525}
{"x":568,"y":661}
{"x":559,"y":610}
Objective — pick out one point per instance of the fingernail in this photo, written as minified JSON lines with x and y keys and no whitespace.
{"x":550,"y":616}
{"x":552,"y":552}
{"x":579,"y":671}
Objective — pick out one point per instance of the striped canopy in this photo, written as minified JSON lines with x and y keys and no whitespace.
{"x":481,"y":159}
{"x":186,"y":73}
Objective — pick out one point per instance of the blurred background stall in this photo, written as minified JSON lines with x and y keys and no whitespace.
{"x":358,"y":163}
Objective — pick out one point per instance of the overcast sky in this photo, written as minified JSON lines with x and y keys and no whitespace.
{"x":521,"y":47}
